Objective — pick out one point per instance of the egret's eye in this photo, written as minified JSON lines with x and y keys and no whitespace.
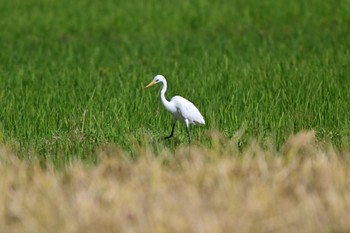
{"x":157,"y":80}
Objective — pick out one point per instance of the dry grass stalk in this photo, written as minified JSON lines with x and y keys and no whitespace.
{"x":304,"y":188}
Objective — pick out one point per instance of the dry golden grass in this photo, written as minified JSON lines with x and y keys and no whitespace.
{"x":303,"y":188}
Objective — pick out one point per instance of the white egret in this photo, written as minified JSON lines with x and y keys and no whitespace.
{"x":180,"y":108}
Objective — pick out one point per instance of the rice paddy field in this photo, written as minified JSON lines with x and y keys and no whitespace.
{"x":81,"y":139}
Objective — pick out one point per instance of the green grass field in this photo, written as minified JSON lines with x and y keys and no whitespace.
{"x":81,"y":146}
{"x":72,"y":74}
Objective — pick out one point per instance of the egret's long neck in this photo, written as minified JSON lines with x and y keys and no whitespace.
{"x":168,"y":105}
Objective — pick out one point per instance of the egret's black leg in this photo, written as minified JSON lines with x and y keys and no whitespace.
{"x":172,"y":131}
{"x":188,"y":134}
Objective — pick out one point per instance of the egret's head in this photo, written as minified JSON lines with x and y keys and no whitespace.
{"x":157,"y":79}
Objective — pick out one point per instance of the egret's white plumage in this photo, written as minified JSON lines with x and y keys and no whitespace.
{"x":179,"y":107}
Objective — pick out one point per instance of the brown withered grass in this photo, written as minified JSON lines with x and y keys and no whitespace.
{"x":304,"y":187}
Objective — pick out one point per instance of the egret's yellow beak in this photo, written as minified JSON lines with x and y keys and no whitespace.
{"x":150,"y":84}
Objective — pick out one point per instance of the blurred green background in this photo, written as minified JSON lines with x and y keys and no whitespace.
{"x":72,"y":73}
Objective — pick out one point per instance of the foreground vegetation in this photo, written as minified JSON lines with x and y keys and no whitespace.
{"x":303,"y":188}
